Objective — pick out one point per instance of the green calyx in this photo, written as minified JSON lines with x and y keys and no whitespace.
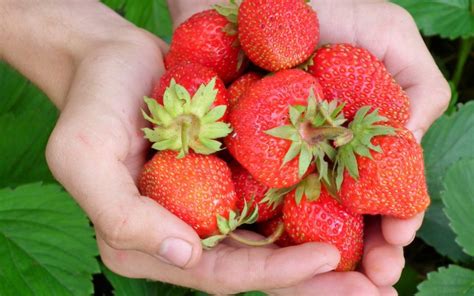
{"x":311,"y":130}
{"x":184,"y":123}
{"x":227,"y":226}
{"x":364,"y":127}
{"x":274,"y":196}
{"x":230,"y":11}
{"x":309,"y":187}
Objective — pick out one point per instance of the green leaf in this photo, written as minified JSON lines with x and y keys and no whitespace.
{"x":447,"y":18}
{"x":451,"y":281}
{"x":152,"y":15}
{"x":130,"y":287}
{"x":448,"y":140}
{"x":46,"y":243}
{"x":26,"y":121}
{"x":459,"y":201}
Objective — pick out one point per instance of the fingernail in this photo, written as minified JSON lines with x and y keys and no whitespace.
{"x":418,"y":135}
{"x":325,"y":268}
{"x":176,"y":251}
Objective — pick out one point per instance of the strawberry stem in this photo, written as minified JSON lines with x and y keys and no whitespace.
{"x":314,"y":135}
{"x":260,"y":243}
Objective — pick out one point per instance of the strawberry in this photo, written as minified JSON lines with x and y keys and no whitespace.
{"x":279,"y":118}
{"x":277,"y":34}
{"x":390,"y":179}
{"x":240,"y":85}
{"x":250,"y":191}
{"x":325,"y":220}
{"x":355,"y":76}
{"x":268,"y":227}
{"x":210,"y":39}
{"x":188,"y":121}
{"x":191,"y":76}
{"x":196,"y":188}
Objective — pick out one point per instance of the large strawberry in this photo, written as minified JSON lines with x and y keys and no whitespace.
{"x":281,"y":125}
{"x":250,"y":191}
{"x":196,"y":188}
{"x":355,"y":76}
{"x":191,"y":76}
{"x":269,"y":227}
{"x":325,"y":220}
{"x":187,"y":122}
{"x":240,"y":85}
{"x":210,"y":39}
{"x":277,"y":34}
{"x":390,"y":179}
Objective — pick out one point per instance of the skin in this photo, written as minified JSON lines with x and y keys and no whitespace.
{"x":96,"y":67}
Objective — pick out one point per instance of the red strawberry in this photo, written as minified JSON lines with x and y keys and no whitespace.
{"x":356,"y":77}
{"x":277,"y":34}
{"x":191,"y":76}
{"x":391,"y":182}
{"x":267,"y":228}
{"x":239,"y":86}
{"x":196,"y":188}
{"x":250,"y":191}
{"x":206,"y":38}
{"x":275,"y":121}
{"x":325,"y":220}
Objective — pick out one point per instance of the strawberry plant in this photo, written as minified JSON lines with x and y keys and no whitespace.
{"x":47,"y":244}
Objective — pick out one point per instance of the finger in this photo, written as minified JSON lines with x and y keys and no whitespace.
{"x":401,"y":232}
{"x":334,"y":284}
{"x":388,"y":291}
{"x":382,"y":262}
{"x":228,"y":270}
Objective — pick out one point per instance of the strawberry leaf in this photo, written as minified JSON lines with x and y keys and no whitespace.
{"x":459,"y":202}
{"x":448,"y":18}
{"x":449,"y":139}
{"x":47,"y":246}
{"x":454,"y":280}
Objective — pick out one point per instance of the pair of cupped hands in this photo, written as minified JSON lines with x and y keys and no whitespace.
{"x":96,"y":67}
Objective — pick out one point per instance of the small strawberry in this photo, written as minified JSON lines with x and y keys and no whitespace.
{"x":281,"y":125}
{"x":390,"y":179}
{"x":250,"y":191}
{"x":240,"y":85}
{"x":188,"y":122}
{"x":191,"y":76}
{"x":210,"y":39}
{"x":196,"y":188}
{"x":325,"y":220}
{"x":277,"y":34}
{"x":267,"y":228}
{"x":355,"y":76}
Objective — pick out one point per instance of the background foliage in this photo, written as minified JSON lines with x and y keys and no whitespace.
{"x":47,"y":245}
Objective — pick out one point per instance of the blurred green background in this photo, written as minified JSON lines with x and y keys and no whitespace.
{"x":39,"y":257}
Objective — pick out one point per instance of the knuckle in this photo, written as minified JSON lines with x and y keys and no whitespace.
{"x":400,"y":15}
{"x":115,"y":227}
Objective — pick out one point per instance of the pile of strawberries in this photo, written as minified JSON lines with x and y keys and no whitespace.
{"x":254,"y":123}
